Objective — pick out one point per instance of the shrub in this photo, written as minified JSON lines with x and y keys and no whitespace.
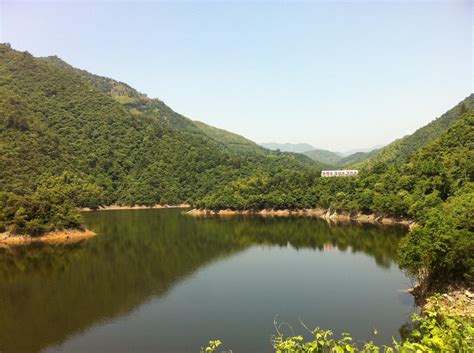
{"x":437,"y":331}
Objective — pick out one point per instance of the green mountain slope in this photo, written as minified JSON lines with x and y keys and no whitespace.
{"x":235,"y":142}
{"x":426,"y":180}
{"x":137,"y":103}
{"x":400,"y":150}
{"x":324,"y":156}
{"x":356,"y":158}
{"x":334,"y":159}
{"x":75,"y":138}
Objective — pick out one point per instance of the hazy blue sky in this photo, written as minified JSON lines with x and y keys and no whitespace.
{"x":337,"y":75}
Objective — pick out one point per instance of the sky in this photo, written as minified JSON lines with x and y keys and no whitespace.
{"x":337,"y":75}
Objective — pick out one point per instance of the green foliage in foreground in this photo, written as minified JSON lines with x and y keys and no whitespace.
{"x":437,"y":331}
{"x":442,"y":248}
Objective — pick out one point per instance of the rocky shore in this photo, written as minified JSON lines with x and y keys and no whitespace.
{"x":134,"y":207}
{"x":328,"y":215}
{"x":56,"y":237}
{"x":457,"y":302}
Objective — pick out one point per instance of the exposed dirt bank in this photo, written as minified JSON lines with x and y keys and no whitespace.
{"x":57,"y":237}
{"x":135,"y":207}
{"x":327,"y":215}
{"x":456,"y":302}
{"x":457,"y":299}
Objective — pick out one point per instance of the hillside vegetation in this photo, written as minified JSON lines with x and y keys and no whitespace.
{"x":439,"y":330}
{"x":334,"y":159}
{"x":356,"y":157}
{"x":138,"y":103}
{"x":324,"y":156}
{"x":391,"y":189}
{"x":233,"y":141}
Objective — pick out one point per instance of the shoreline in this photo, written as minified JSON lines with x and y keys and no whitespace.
{"x":457,"y":299}
{"x":321,"y":213}
{"x":68,"y":236}
{"x":134,"y":207}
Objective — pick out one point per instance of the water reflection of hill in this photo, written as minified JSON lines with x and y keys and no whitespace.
{"x":376,"y":241}
{"x":48,"y":293}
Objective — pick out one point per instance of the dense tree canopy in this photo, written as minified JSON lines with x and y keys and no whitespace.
{"x":400,"y":190}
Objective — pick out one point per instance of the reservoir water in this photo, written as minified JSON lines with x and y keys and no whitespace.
{"x":160,"y":281}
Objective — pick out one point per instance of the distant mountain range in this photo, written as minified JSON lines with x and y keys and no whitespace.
{"x":399,"y":150}
{"x":288,"y":147}
{"x":357,"y":150}
{"x":339,"y":159}
{"x":329,"y":158}
{"x":396,"y":152}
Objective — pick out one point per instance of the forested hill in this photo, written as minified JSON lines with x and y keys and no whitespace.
{"x":337,"y":160}
{"x":139,"y":103}
{"x":235,"y":142}
{"x":324,"y":156}
{"x":427,"y":179}
{"x":357,"y":157}
{"x":71,"y":138}
{"x":402,"y":149}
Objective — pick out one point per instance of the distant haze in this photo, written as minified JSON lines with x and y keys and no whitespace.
{"x":337,"y":75}
{"x":355,"y":150}
{"x":288,"y":147}
{"x":305,"y":147}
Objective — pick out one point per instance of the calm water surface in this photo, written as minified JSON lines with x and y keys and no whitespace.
{"x":159,"y":281}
